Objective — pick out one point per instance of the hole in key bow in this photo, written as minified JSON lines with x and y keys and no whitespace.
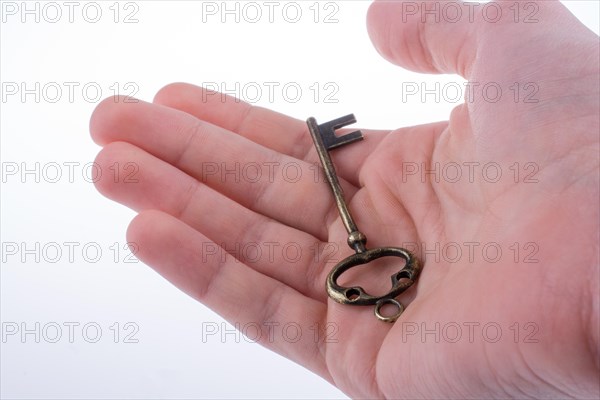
{"x":388,"y":310}
{"x":352,"y":294}
{"x":357,"y":295}
{"x":374,"y":277}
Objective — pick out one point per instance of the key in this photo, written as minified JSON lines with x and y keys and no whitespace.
{"x":326,"y":140}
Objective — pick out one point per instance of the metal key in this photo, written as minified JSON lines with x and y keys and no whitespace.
{"x":325,"y":140}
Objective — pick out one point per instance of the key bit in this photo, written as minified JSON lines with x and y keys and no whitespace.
{"x":330,"y":140}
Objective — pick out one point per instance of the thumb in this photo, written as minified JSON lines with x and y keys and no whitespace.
{"x":447,"y":36}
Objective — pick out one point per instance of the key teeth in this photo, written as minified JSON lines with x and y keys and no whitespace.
{"x":342,"y":121}
{"x":327,"y":131}
{"x":338,"y":141}
{"x":337,"y":123}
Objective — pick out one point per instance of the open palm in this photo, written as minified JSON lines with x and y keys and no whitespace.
{"x":500,"y":202}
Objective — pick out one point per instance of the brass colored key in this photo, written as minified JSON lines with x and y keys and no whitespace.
{"x":325,"y":140}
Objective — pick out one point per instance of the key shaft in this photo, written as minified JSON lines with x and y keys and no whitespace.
{"x":324,"y":138}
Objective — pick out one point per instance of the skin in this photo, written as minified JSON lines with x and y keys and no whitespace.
{"x":185,"y":213}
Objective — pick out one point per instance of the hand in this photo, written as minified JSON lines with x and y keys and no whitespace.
{"x":192,"y":217}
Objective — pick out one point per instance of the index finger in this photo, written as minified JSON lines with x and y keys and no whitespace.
{"x":268,"y":128}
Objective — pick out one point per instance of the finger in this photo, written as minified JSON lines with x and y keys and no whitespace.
{"x":412,"y":34}
{"x":268,"y":128}
{"x":247,"y":299}
{"x":286,"y":254}
{"x":258,"y":178}
{"x":271,"y":129}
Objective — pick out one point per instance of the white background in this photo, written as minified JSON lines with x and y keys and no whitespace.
{"x":337,"y":71}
